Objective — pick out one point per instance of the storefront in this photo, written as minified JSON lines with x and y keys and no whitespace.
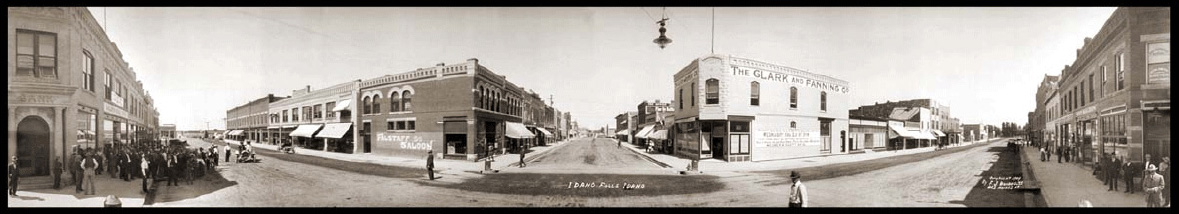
{"x":337,"y":137}
{"x":303,"y":136}
{"x":722,"y":114}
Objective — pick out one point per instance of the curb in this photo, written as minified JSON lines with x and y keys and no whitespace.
{"x":647,"y":157}
{"x":1031,"y":186}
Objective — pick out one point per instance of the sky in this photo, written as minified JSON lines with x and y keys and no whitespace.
{"x":984,"y":62}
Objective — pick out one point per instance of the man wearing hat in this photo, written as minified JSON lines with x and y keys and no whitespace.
{"x":798,"y":194}
{"x":430,"y":163}
{"x":1152,"y":184}
{"x":13,"y":176}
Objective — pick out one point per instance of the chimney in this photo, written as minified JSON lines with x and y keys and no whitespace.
{"x":476,"y":61}
{"x":440,"y":64}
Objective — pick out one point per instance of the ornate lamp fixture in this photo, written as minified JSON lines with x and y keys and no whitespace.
{"x":662,"y":41}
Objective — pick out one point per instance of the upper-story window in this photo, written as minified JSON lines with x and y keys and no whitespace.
{"x":1091,"y":97}
{"x":405,"y":99}
{"x":376,"y":104}
{"x":793,"y":97}
{"x":793,"y":124}
{"x":693,"y":91}
{"x":107,"y":84}
{"x":711,"y":91}
{"x":823,"y":101}
{"x":395,"y":102}
{"x":295,"y":114}
{"x":681,"y":98}
{"x":284,"y":116}
{"x":318,"y":111}
{"x":307,"y":113}
{"x":1120,"y":67}
{"x":329,"y":107}
{"x":754,"y":93}
{"x":364,"y":108}
{"x":36,"y":54}
{"x":87,"y":71}
{"x":1103,"y":79}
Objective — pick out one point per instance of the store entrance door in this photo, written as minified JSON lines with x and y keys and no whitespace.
{"x":32,"y":147}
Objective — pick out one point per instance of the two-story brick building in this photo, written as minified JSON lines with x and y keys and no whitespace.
{"x":722,"y":114}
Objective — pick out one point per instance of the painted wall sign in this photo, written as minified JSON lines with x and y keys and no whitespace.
{"x":406,"y":142}
{"x":785,"y":138}
{"x":112,"y":110}
{"x":38,"y":99}
{"x":1159,"y":73}
{"x":793,"y":79}
{"x":1158,"y":52}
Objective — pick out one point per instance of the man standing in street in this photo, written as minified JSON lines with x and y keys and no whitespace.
{"x":76,"y":170}
{"x":1128,"y":175}
{"x":90,"y":164}
{"x":1059,"y":154}
{"x":798,"y":195}
{"x":430,"y":163}
{"x":522,"y":151}
{"x":1115,"y":169}
{"x":57,"y":169}
{"x":13,"y":177}
{"x":213,"y":153}
{"x":1152,"y":184}
{"x":171,"y":169}
{"x":144,"y":168}
{"x":226,"y":153}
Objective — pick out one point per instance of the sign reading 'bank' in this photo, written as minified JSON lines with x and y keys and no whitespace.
{"x":793,"y":79}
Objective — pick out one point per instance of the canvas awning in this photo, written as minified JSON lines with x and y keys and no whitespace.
{"x":305,"y":130}
{"x":645,"y":131}
{"x":901,"y":132}
{"x":623,"y":132}
{"x":926,"y":135}
{"x":518,"y":131}
{"x":334,"y":130}
{"x":343,"y":105}
{"x":546,"y":132}
{"x":658,"y":135}
{"x":939,"y":133}
{"x":236,"y":132}
{"x":226,"y":132}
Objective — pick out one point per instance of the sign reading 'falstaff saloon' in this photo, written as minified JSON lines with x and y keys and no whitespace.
{"x":794,"y":79}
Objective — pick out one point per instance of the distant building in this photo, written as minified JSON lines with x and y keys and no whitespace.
{"x":976,"y":132}
{"x":941,"y":123}
{"x":625,"y":126}
{"x":650,"y":120}
{"x":168,"y":131}
{"x":867,"y":133}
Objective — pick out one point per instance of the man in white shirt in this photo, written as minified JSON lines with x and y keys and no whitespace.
{"x":798,"y":195}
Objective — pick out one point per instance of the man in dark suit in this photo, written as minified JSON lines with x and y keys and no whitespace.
{"x":76,"y":170}
{"x":13,"y":177}
{"x":430,"y":163}
{"x":57,"y":169}
{"x":1114,"y":169}
{"x":1128,"y":173}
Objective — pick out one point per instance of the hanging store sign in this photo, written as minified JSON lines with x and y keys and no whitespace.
{"x":793,"y":79}
{"x":785,"y":138}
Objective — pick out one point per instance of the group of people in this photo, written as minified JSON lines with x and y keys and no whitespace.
{"x":1155,"y":175}
{"x":148,"y":161}
{"x":1064,"y":154}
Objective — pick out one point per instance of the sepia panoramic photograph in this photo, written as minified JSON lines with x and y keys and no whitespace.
{"x":654,"y":106}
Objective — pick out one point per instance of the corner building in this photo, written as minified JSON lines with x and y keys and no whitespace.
{"x":459,"y":111}
{"x":68,"y":87}
{"x":738,"y":109}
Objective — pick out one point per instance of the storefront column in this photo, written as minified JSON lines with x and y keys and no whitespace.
{"x":325,"y":144}
{"x":56,"y":134}
{"x":11,"y":132}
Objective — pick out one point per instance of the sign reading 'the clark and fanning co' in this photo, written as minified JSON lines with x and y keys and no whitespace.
{"x":793,"y":79}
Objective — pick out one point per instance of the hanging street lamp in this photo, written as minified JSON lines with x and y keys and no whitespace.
{"x":662,"y":41}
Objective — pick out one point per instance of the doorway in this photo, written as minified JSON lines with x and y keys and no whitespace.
{"x":32,"y":147}
{"x":365,"y":133}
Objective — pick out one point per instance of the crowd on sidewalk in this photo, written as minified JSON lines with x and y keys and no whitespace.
{"x":147,"y":160}
{"x":1118,"y":173}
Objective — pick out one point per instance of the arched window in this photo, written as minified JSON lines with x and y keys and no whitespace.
{"x":754,"y":93}
{"x":823,"y":101}
{"x":793,"y":124}
{"x":363,"y":108}
{"x":482,"y":97}
{"x":395,"y":102}
{"x":711,"y":91}
{"x":405,"y":96}
{"x":793,"y":97}
{"x":376,"y":104}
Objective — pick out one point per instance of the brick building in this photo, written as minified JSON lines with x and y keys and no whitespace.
{"x":721,"y":113}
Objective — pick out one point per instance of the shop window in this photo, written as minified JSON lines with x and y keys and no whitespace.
{"x":395,"y":102}
{"x":376,"y":104}
{"x":712,"y":91}
{"x":405,"y":101}
{"x":754,"y":94}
